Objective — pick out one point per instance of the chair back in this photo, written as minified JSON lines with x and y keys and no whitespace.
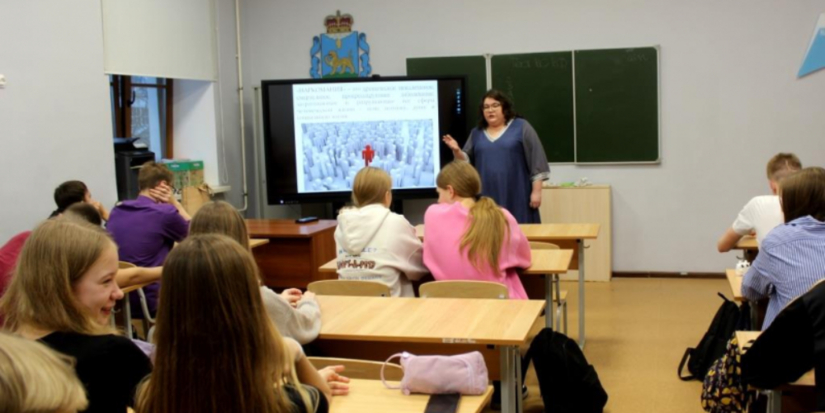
{"x":463,"y":289}
{"x":537,"y":245}
{"x":360,"y":369}
{"x":349,"y":288}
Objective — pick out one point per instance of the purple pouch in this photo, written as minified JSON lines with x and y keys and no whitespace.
{"x":463,"y":373}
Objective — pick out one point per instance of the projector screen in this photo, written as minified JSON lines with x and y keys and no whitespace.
{"x":318,"y":135}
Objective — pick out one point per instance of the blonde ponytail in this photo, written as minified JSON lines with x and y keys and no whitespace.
{"x":488,"y":229}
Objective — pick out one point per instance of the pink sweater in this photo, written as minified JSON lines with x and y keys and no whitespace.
{"x":445,"y":224}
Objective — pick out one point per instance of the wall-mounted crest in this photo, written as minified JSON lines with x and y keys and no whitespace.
{"x":340,"y":52}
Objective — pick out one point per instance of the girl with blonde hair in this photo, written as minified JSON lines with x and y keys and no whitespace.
{"x":296,"y":315}
{"x":469,"y":237}
{"x":216,"y":349}
{"x":34,"y":378}
{"x":375,"y":244}
{"x":62,"y":294}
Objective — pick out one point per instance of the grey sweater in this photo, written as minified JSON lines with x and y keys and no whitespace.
{"x":302,"y":323}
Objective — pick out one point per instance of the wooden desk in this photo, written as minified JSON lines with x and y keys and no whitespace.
{"x":435,"y":321}
{"x":372,"y":396}
{"x":746,"y":339}
{"x":749,"y":247}
{"x":257,"y":242}
{"x":566,"y":236}
{"x":294,"y":251}
{"x":545,"y":262}
{"x":735,"y":281}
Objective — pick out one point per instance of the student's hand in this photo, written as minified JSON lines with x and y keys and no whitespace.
{"x":308,"y":296}
{"x":292,"y":295}
{"x":162,"y":194}
{"x":336,"y":382}
{"x":451,"y":143}
{"x":104,"y":214}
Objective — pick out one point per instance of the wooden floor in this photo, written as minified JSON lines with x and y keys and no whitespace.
{"x":637,"y":331}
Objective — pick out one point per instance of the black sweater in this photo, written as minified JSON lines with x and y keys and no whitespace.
{"x":791,"y":346}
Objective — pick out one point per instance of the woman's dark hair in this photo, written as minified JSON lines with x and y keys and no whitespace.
{"x":68,"y":193}
{"x":803,"y":194}
{"x":506,"y":107}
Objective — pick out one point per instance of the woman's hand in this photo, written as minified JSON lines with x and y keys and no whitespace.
{"x":535,"y":199}
{"x":336,"y":382}
{"x":451,"y":143}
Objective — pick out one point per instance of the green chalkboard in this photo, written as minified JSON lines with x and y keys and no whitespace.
{"x":474,"y":67}
{"x":617,"y":105}
{"x":541,"y":87}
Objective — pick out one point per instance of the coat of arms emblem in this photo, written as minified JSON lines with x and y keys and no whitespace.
{"x":341,"y":52}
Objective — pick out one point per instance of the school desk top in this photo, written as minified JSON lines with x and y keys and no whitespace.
{"x":428,"y":320}
{"x":287,"y":228}
{"x":735,"y":281}
{"x":544,"y":262}
{"x":748,"y":242}
{"x":548,"y":232}
{"x":372,"y":396}
{"x":745,"y":337}
{"x":257,"y":242}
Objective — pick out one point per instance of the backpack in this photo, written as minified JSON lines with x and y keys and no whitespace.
{"x":723,"y":390}
{"x":568,"y":383}
{"x":727,"y":320}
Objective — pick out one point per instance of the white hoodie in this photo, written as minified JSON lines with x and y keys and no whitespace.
{"x":374,"y":244}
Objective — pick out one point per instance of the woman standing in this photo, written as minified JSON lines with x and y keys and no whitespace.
{"x":508,"y":155}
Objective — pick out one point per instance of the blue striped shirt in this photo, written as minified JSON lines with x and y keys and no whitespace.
{"x":790,"y":261}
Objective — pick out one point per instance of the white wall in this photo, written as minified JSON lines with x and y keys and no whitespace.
{"x":730,"y":99}
{"x":55,"y":120}
{"x":194,"y":125}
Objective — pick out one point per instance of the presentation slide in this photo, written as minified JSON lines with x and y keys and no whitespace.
{"x":341,"y":127}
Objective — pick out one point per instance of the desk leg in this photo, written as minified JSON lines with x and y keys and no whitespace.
{"x":509,"y":401}
{"x":518,"y":395}
{"x":581,"y":293}
{"x":774,"y":401}
{"x":549,"y":315}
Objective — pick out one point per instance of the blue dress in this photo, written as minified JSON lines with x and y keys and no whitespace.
{"x":508,"y":166}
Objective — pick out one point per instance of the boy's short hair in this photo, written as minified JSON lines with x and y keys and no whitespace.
{"x":152,"y":174}
{"x":84,"y":212}
{"x":782,"y":165}
{"x":68,"y":193}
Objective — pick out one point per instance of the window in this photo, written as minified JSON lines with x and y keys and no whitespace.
{"x":142,"y":108}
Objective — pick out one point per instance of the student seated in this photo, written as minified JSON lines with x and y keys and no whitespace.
{"x":375,"y":244}
{"x":36,"y":379}
{"x":62,"y":295}
{"x":295,"y":314}
{"x":762,"y":213}
{"x":148,"y":227}
{"x":217,"y":351}
{"x":792,"y":257}
{"x":791,"y":346}
{"x":72,"y":192}
{"x":470,"y":237}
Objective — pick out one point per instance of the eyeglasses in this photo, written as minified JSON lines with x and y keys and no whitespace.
{"x":494,"y":106}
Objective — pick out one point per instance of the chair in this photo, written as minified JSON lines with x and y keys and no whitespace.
{"x":350,"y":288}
{"x":360,"y":369}
{"x":148,"y":321}
{"x":463,"y":289}
{"x":560,"y":296}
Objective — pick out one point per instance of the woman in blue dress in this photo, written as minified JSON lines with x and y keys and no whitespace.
{"x":508,"y":155}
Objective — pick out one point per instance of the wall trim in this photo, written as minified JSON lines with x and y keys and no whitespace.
{"x":656,"y":274}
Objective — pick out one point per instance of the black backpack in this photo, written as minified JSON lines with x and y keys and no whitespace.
{"x":727,"y":320}
{"x":568,"y":384}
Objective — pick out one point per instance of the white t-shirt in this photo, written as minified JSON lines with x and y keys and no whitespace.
{"x":761,"y":214}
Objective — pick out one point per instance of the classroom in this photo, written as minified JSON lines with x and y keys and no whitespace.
{"x":728,"y":98}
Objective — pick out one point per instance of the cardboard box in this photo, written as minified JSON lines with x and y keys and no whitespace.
{"x":186,"y":173}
